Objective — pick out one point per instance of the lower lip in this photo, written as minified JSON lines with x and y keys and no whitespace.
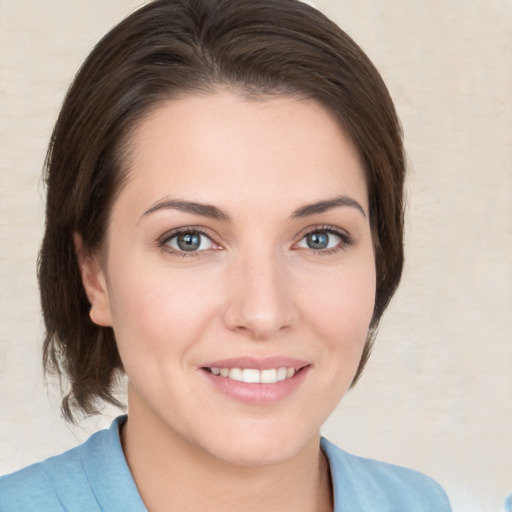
{"x":257,"y":394}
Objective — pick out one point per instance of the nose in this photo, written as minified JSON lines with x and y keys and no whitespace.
{"x":260,"y":301}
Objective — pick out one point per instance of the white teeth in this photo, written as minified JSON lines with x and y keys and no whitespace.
{"x":250,"y":376}
{"x":254,"y":376}
{"x":281,"y":373}
{"x":268,"y":376}
{"x":236,"y":374}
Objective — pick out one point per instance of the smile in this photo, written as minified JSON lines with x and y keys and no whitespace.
{"x":253,"y":375}
{"x":256,"y":381}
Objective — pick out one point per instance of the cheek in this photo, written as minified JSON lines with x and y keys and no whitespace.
{"x":341,"y":307}
{"x":153,"y":309}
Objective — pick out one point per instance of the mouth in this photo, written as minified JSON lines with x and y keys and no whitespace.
{"x":254,"y":375}
{"x":257,"y":381}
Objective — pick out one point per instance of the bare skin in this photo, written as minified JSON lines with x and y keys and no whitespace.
{"x":278,"y":274}
{"x":190,"y":481}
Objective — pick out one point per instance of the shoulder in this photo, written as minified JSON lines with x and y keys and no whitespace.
{"x":44,"y":486}
{"x":84,"y":478}
{"x":364,"y":484}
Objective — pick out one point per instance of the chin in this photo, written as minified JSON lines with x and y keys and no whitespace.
{"x":254,"y":447}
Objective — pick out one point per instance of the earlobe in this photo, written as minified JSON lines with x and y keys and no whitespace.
{"x":94,"y":282}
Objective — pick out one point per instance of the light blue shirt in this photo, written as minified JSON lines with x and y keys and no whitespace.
{"x":95,"y":477}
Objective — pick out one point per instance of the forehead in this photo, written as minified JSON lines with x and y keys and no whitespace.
{"x":223,"y":146}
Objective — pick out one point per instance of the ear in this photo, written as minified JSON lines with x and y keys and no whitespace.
{"x":94,"y":282}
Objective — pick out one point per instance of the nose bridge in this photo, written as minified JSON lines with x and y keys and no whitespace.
{"x":260,"y":301}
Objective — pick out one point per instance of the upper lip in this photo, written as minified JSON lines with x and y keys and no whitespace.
{"x":258,"y":363}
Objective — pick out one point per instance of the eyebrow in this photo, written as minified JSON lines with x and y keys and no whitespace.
{"x":205,"y":210}
{"x":212,"y":212}
{"x":323,"y":206}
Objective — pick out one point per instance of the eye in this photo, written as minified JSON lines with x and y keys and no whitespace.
{"x":323,"y":240}
{"x":189,"y":241}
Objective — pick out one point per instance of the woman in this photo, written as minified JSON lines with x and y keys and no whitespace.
{"x":224,"y":225}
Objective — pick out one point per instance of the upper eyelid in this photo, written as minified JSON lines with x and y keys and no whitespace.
{"x":162,"y":242}
{"x":346,"y":239}
{"x":163,"y":239}
{"x":323,"y":227}
{"x":187,"y":229}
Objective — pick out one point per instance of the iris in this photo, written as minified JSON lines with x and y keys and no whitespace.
{"x":189,"y":241}
{"x":317,"y":240}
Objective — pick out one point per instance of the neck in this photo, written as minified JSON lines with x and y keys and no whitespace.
{"x":173,"y":474}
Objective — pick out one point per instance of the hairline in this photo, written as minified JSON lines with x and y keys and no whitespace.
{"x":126,"y":149}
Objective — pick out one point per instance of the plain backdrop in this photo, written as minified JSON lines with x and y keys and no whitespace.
{"x":437,"y":393}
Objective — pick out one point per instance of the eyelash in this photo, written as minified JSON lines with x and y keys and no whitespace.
{"x":345,"y":240}
{"x":167,"y":237}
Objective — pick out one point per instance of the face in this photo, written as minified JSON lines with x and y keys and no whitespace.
{"x":238,"y":273}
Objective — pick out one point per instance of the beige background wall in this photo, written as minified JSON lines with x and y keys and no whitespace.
{"x":437,"y":394}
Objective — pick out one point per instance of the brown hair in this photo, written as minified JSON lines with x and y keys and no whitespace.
{"x":170,"y":47}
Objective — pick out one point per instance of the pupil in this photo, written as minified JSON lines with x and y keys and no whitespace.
{"x":318,"y":240}
{"x":189,"y":242}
